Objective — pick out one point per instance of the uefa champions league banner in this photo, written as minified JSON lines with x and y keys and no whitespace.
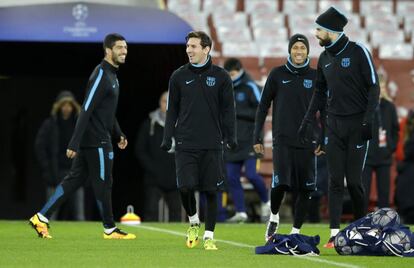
{"x":84,"y":22}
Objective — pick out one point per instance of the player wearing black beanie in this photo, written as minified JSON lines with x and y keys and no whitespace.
{"x":347,"y":84}
{"x":289,"y":87}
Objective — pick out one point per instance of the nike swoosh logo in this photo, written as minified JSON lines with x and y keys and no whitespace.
{"x":309,"y":184}
{"x":189,"y":82}
{"x":286,"y":81}
{"x":220,"y":183}
{"x":359,"y":146}
{"x":326,"y":65}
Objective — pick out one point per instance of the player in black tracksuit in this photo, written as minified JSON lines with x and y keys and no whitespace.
{"x":348,"y":84}
{"x":247,"y":97}
{"x":91,"y":143}
{"x":201,"y":119}
{"x":290,"y":88}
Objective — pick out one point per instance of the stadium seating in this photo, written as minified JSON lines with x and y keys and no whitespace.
{"x":381,"y":21}
{"x":219,"y":6}
{"x":273,"y":49}
{"x":409,"y":26}
{"x":197,"y":20}
{"x":267,"y":19}
{"x":378,"y":7}
{"x":387,"y":37}
{"x":260,"y":6}
{"x":179,"y":6}
{"x":301,"y":7}
{"x":396,"y":51}
{"x":239,"y":49}
{"x":344,"y":5}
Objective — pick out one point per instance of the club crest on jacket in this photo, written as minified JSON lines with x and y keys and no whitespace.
{"x":210,"y":81}
{"x":346,"y":62}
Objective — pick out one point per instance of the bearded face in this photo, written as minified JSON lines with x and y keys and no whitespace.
{"x":323,"y":37}
{"x":117,"y":54}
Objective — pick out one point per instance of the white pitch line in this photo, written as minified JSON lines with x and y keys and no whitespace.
{"x":242,"y":245}
{"x":340,"y":264}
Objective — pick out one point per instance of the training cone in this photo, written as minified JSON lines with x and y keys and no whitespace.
{"x":130,"y":218}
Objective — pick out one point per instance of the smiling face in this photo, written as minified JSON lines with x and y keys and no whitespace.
{"x":195,"y":52}
{"x":298,"y":53}
{"x":117,"y":54}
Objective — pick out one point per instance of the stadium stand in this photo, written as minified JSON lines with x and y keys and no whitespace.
{"x":299,"y":7}
{"x":345,"y":5}
{"x":219,"y":6}
{"x":183,"y":6}
{"x":260,"y":7}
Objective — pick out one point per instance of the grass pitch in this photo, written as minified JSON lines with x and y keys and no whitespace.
{"x":162,"y":245}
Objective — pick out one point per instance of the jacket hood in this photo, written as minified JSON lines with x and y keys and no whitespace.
{"x":63,"y":97}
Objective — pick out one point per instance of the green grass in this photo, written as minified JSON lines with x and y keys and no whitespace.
{"x":81,"y":245}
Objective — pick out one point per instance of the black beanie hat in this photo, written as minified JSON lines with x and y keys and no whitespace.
{"x":332,"y":20}
{"x":298,"y":38}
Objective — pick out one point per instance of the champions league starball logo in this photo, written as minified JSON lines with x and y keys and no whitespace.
{"x":80,"y":12}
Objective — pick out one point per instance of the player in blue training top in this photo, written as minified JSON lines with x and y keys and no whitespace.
{"x":91,"y":143}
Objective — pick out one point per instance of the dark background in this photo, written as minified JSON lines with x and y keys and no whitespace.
{"x":32,"y":74}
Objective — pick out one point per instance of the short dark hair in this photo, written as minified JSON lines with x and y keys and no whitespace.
{"x":110,"y":40}
{"x":233,"y":64}
{"x":205,"y":40}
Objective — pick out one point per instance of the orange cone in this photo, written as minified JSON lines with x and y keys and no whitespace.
{"x":130,"y":218}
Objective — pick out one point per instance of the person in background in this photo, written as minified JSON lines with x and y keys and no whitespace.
{"x":247,"y":97}
{"x":381,"y":148}
{"x":160,"y":180}
{"x":51,"y":142}
{"x":405,"y":180}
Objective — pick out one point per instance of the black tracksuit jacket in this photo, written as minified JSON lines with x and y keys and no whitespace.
{"x":200,"y":109}
{"x":290,"y":88}
{"x":159,"y":165}
{"x":48,"y":148}
{"x":97,"y":122}
{"x":355,"y":91}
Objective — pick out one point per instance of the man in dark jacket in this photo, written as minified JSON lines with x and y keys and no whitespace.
{"x":50,"y":147}
{"x":159,"y":166}
{"x":347,"y":84}
{"x":381,"y":148}
{"x":289,"y":87}
{"x":90,"y":146}
{"x":201,"y":119}
{"x":247,"y":97}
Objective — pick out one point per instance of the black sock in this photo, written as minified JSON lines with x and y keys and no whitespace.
{"x":188,"y":201}
{"x":276,"y":197}
{"x":301,"y":208}
{"x":211,"y":211}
